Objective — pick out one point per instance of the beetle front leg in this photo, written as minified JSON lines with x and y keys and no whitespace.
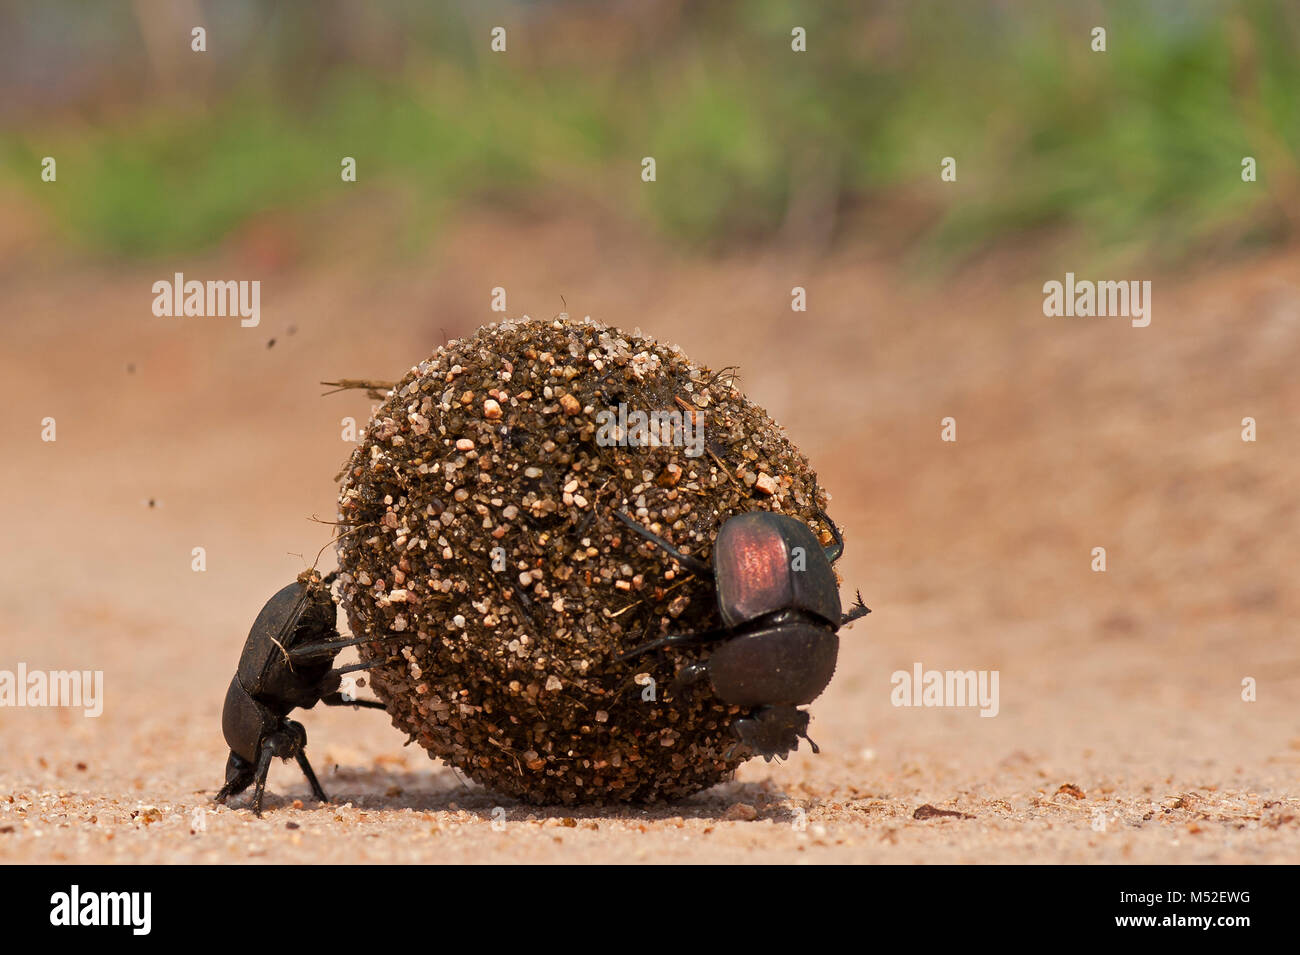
{"x":330,"y":695}
{"x":337,"y":699}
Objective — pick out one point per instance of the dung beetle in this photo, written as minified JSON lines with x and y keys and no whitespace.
{"x":287,"y":662}
{"x":780,"y":607}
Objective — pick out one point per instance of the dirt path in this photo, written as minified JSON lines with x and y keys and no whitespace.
{"x":1121,"y":733}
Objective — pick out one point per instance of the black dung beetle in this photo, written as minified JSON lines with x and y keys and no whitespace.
{"x":287,"y":662}
{"x":780,"y":607}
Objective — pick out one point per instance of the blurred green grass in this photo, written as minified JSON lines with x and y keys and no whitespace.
{"x":1139,"y":146}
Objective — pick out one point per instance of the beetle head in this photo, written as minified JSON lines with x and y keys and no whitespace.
{"x":774,"y":731}
{"x":319,"y":615}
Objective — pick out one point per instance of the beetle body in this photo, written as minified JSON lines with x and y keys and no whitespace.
{"x":301,"y":613}
{"x":754,"y":568}
{"x":780,"y":607}
{"x":287,"y":663}
{"x":788,"y":661}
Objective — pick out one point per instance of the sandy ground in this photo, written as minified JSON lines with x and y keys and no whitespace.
{"x":1122,"y":735}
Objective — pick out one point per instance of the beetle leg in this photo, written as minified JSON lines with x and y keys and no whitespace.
{"x":336,"y":699}
{"x":836,"y":550}
{"x":676,"y":640}
{"x":264,"y":757}
{"x":239,"y":776}
{"x":772,"y":732}
{"x":696,"y":566}
{"x":289,"y":740}
{"x":521,"y":600}
{"x":585,"y":524}
{"x":856,"y":612}
{"x":353,"y":667}
{"x":687,"y":677}
{"x":311,"y":777}
{"x":305,"y":651}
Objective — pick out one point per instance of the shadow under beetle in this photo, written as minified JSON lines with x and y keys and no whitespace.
{"x":287,"y":663}
{"x":778,"y":645}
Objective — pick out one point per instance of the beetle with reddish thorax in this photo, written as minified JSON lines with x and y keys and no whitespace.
{"x":780,"y":608}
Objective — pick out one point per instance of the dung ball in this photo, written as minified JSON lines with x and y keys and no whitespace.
{"x":483,"y":555}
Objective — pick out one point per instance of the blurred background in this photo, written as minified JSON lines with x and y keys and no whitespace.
{"x":522,"y":170}
{"x":177,"y":151}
